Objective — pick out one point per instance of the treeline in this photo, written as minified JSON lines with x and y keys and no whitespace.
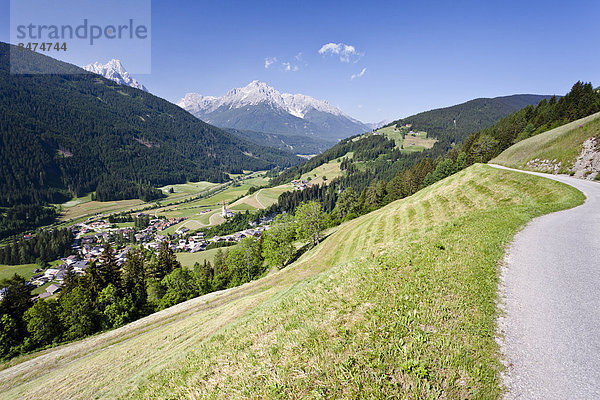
{"x":363,"y":175}
{"x":44,"y":246}
{"x":454,"y":124}
{"x":110,"y":189}
{"x":326,"y":195}
{"x":121,"y":217}
{"x":105,"y":296}
{"x":108,"y":296}
{"x":373,"y":147}
{"x":139,"y":222}
{"x":24,"y":217}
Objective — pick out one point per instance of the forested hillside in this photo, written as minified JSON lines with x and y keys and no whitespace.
{"x":470,"y":117}
{"x":377,"y":173}
{"x":580,"y":102}
{"x":64,"y":134}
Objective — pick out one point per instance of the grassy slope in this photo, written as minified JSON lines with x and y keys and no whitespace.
{"x":331,"y":170}
{"x":399,"y":302}
{"x":418,"y":142}
{"x":563,"y":144}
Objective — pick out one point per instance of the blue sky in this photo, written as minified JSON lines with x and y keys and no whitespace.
{"x":415,"y":55}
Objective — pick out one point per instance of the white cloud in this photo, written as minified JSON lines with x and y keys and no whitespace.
{"x":287,"y":67}
{"x":270,"y":61}
{"x":344,"y":51}
{"x":298,"y":56}
{"x":361,"y":73}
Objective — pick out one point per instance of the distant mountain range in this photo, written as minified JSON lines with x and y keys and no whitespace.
{"x":261,"y":108}
{"x":115,"y":71}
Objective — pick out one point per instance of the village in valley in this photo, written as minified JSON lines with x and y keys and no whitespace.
{"x":92,"y":237}
{"x":155,"y":224}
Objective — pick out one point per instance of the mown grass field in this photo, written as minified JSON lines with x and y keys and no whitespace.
{"x":260,"y":199}
{"x":399,"y":303}
{"x":411,"y":143}
{"x":228,"y":195}
{"x":196,"y":211}
{"x":269,"y":196}
{"x":84,"y":207}
{"x":329,"y":170}
{"x":184,"y":190}
{"x":77,"y":209}
{"x":563,"y":144}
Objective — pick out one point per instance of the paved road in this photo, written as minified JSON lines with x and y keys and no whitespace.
{"x":551,"y":296}
{"x":257,"y":193}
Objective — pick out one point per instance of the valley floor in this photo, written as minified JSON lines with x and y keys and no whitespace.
{"x":398,"y":303}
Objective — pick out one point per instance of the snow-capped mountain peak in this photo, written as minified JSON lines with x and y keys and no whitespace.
{"x":262,"y":108}
{"x":115,"y":71}
{"x":255,"y":93}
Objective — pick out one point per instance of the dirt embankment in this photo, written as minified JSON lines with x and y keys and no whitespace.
{"x":587,"y":165}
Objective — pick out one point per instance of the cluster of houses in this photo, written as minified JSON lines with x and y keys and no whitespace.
{"x":155,"y":225}
{"x":301,"y":184}
{"x":262,"y":221}
{"x":77,"y":263}
{"x":57,"y":275}
{"x":159,"y":224}
{"x":92,"y":237}
{"x":91,"y":246}
{"x":198,"y":243}
{"x":238,"y":236}
{"x":85,"y":230}
{"x":162,"y":224}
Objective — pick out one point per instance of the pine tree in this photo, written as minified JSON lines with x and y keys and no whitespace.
{"x":134,"y":276}
{"x":109,"y":269}
{"x":164,"y":264}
